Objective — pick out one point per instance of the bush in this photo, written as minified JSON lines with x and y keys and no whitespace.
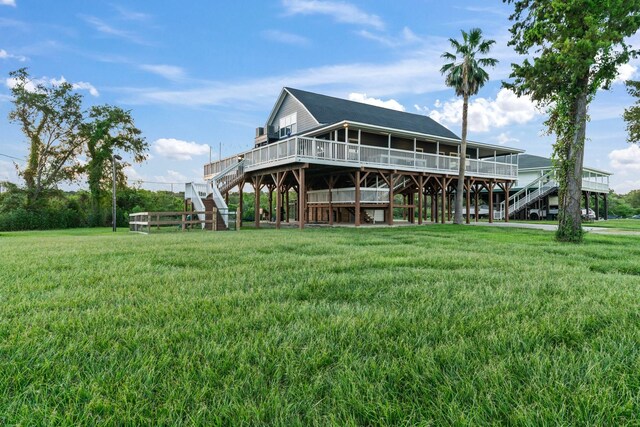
{"x":60,"y":209}
{"x":41,"y":219}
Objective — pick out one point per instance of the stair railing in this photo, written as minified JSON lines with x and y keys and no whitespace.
{"x":220,"y":181}
{"x":531,"y":192}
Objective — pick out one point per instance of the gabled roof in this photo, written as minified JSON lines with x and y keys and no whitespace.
{"x":327,"y":110}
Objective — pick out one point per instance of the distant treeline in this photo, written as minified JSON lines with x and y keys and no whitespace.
{"x":62,"y":209}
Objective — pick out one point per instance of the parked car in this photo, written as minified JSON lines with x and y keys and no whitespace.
{"x":613,"y":216}
{"x":590,"y":215}
{"x":636,"y":216}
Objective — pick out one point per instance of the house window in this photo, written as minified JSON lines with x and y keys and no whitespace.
{"x":288,"y":125}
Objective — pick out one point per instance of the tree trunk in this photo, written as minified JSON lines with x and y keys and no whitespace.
{"x":570,"y":220}
{"x":31,"y":171}
{"x":462,"y":161}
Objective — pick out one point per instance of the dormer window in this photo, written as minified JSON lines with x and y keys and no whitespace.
{"x":288,"y":125}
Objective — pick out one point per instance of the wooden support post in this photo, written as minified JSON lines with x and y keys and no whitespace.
{"x":302,"y":197}
{"x":597,"y":206}
{"x":240,"y":202}
{"x":449,"y":196}
{"x":278,"y":200}
{"x":404,"y":209}
{"x":257,"y":184}
{"x":606,"y":206}
{"x":420,"y":198}
{"x":184,"y":219}
{"x":434,"y":205}
{"x":444,"y":198}
{"x":476,"y":190}
{"x":587,"y":196}
{"x":390,"y":212}
{"x":490,"y":187}
{"x":286,"y":202}
{"x":467,"y":189}
{"x":507,"y":186}
{"x":357,"y":206}
{"x":270,"y":188}
{"x":331,"y":182}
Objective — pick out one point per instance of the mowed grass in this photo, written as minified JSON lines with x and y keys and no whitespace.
{"x":432,"y":325}
{"x":620,"y":224}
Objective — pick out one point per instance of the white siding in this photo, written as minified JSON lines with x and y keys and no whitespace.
{"x":289,"y":106}
{"x":527,"y":177}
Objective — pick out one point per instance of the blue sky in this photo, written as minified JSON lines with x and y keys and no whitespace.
{"x":200,"y":73}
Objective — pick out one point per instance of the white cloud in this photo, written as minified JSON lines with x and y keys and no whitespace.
{"x":179,"y":150}
{"x":626,"y":161}
{"x":8,"y":171}
{"x":86,"y":86}
{"x":169,"y":72}
{"x":131,"y":15}
{"x":406,"y":37}
{"x":6,"y":55}
{"x":412,"y":75}
{"x":340,"y":11}
{"x":107,"y":29}
{"x":625,"y":72}
{"x":32,"y":84}
{"x":284,"y":37}
{"x":362,"y":97}
{"x":504,"y":138}
{"x":172,"y":177}
{"x":133,"y":174}
{"x":486,"y":114}
{"x":8,"y":3}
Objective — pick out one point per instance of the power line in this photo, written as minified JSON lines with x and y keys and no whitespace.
{"x":154,"y":182}
{"x":12,"y":157}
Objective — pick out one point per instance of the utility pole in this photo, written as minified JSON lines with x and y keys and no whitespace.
{"x":114,"y":157}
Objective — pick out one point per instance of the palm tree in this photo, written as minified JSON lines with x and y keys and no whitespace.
{"x":465,"y":74}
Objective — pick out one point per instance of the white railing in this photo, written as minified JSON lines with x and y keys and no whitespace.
{"x":228,"y":176}
{"x":196,"y":192}
{"x":540,"y":187}
{"x":215,"y":168}
{"x":313,"y":150}
{"x":537,"y":188}
{"x":348,"y":195}
{"x":590,"y":185}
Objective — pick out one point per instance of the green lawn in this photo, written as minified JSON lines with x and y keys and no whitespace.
{"x":621,"y":224}
{"x":435,"y":325}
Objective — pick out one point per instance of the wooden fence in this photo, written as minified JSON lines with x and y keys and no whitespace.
{"x":143,"y":222}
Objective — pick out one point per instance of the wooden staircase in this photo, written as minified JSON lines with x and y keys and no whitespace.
{"x":364,"y":216}
{"x":209,"y":204}
{"x":232,"y":183}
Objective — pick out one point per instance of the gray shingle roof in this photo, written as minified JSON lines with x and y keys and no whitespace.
{"x":328,"y":110}
{"x":526,"y":161}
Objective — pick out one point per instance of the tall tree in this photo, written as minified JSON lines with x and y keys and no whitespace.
{"x":465,"y":74}
{"x":50,"y":116}
{"x":107,"y":130}
{"x":632,"y":114}
{"x":577,"y":47}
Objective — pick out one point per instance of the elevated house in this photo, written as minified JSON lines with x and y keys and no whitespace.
{"x":535,"y":193}
{"x":347,"y":162}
